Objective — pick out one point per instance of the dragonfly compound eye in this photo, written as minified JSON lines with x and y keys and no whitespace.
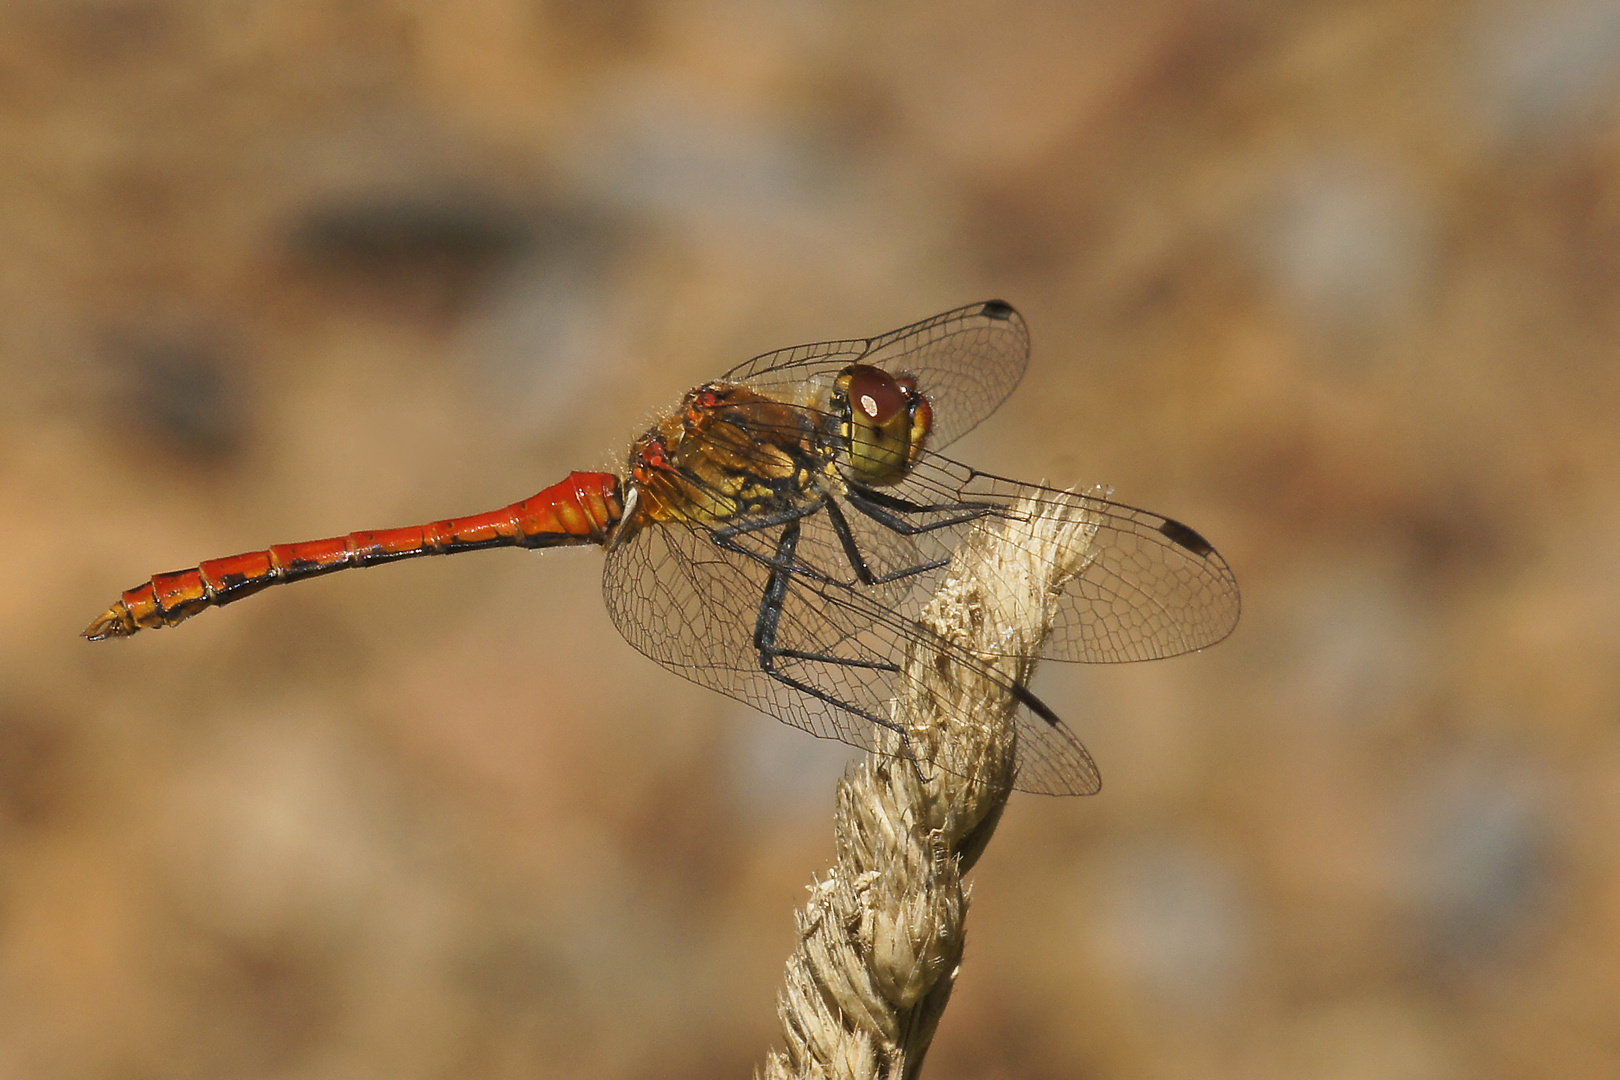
{"x":875,"y":394}
{"x":885,"y":423}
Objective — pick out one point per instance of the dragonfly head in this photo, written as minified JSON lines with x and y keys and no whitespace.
{"x":885,"y":421}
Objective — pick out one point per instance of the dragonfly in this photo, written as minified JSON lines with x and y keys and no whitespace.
{"x":773,"y":537}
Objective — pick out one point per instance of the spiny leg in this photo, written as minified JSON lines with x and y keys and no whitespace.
{"x":726,"y":537}
{"x":769,"y":622}
{"x":725,"y":534}
{"x":857,"y":561}
{"x":886,"y":510}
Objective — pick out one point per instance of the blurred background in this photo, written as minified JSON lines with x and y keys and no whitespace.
{"x":1334,"y":282}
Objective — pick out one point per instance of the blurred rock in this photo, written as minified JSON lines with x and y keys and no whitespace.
{"x":39,"y":763}
{"x":1350,"y":245}
{"x":420,"y":254}
{"x":1378,"y":1038}
{"x":780,"y":773}
{"x":1175,"y":921}
{"x":547,"y":331}
{"x":1545,"y":71}
{"x":1484,"y":862}
{"x":1356,"y":648}
{"x":182,"y":390}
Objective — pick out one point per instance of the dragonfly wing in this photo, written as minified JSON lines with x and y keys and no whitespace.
{"x":966,"y":361}
{"x":1152,"y":588}
{"x":693,"y":606}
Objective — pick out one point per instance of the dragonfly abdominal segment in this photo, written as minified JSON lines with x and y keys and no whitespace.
{"x":582,"y":509}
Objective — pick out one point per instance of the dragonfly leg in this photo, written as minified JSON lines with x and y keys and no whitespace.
{"x":726,"y":537}
{"x":769,"y":621}
{"x":770,"y":615}
{"x":852,"y":552}
{"x":726,"y":534}
{"x":886,"y":510}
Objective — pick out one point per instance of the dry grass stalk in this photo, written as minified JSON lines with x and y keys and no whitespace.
{"x":881,"y":937}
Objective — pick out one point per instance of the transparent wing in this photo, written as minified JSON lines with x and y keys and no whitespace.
{"x":866,"y":559}
{"x":692,"y":605}
{"x":967,"y":361}
{"x":1152,"y":587}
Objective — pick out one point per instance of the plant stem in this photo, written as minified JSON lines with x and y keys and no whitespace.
{"x":880,"y":940}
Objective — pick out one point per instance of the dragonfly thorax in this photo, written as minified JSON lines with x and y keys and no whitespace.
{"x":727,"y":452}
{"x":884,"y":423}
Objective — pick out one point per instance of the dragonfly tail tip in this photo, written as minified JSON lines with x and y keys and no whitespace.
{"x":115,"y":622}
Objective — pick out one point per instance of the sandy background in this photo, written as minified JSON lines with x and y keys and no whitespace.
{"x":1336,"y":283}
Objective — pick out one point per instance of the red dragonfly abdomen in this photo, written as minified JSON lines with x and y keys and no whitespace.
{"x":582,"y":509}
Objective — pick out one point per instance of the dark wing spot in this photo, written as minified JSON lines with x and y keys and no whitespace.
{"x":997,"y":309}
{"x":1187,"y":538}
{"x":1035,"y":704}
